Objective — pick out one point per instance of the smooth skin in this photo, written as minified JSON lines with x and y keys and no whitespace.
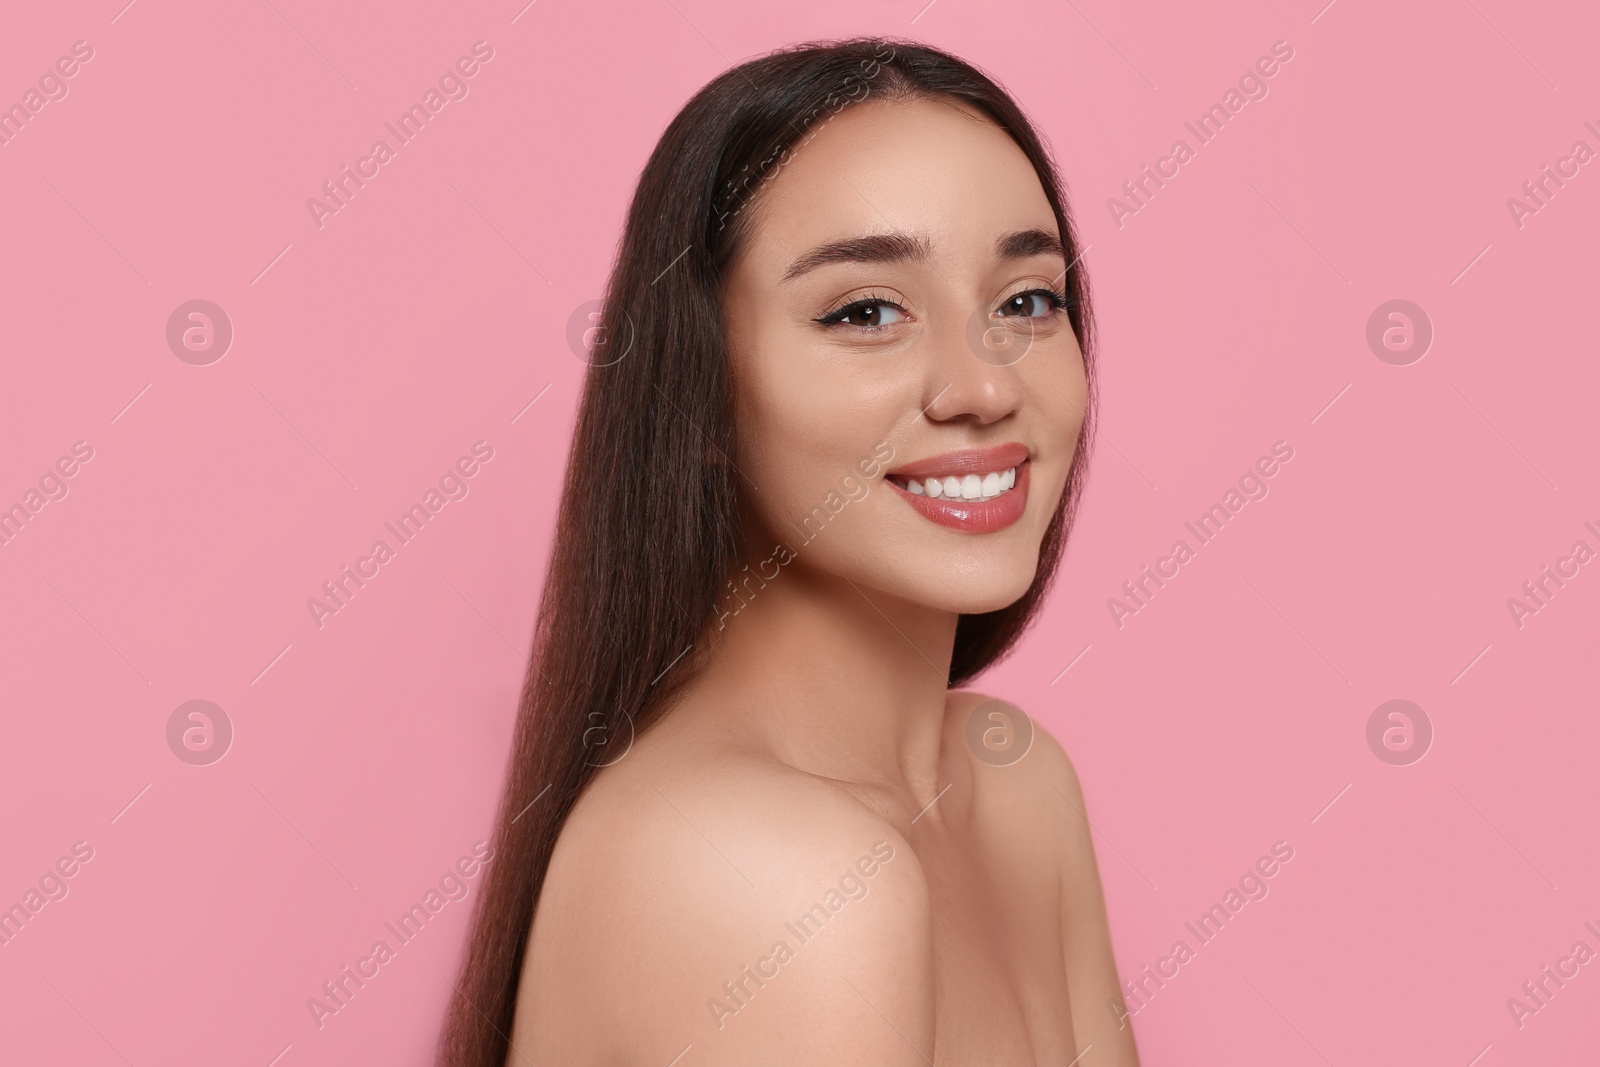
{"x":821,"y":737}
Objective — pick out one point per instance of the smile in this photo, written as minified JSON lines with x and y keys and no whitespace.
{"x":977,"y":490}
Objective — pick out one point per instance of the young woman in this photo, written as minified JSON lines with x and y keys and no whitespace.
{"x":827,"y":456}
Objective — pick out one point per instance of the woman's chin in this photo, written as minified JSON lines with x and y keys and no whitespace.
{"x":970,"y":594}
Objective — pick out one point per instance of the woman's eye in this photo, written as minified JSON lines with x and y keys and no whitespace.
{"x":1035,"y":303}
{"x":868,"y":314}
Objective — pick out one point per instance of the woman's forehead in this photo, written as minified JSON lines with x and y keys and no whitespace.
{"x":927,"y":167}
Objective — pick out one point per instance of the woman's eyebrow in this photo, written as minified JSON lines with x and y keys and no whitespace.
{"x":915,"y":248}
{"x":1025,"y":243}
{"x":874,"y":248}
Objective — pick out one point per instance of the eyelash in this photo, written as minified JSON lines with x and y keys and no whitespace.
{"x":1059,"y":301}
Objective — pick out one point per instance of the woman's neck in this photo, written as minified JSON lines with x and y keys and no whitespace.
{"x":831,"y":677}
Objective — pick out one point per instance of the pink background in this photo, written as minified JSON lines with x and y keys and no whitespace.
{"x":370,"y":353}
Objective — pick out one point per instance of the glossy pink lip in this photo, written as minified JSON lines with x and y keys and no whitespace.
{"x":966,"y":461}
{"x":968,"y":516}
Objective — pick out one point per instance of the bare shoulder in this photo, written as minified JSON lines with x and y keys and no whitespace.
{"x":1026,"y":799}
{"x":1029,"y":802}
{"x":705,"y":895}
{"x":1011,"y":755}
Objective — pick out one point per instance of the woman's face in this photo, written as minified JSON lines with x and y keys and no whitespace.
{"x":908,"y":394}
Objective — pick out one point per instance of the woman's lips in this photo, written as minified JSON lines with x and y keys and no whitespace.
{"x":968,"y":516}
{"x":965,"y":461}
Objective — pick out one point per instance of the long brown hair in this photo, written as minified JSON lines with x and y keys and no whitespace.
{"x":647,"y":528}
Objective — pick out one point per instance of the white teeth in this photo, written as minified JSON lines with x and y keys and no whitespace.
{"x":973,"y":487}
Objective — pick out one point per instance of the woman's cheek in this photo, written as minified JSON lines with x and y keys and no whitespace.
{"x":1065,"y":397}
